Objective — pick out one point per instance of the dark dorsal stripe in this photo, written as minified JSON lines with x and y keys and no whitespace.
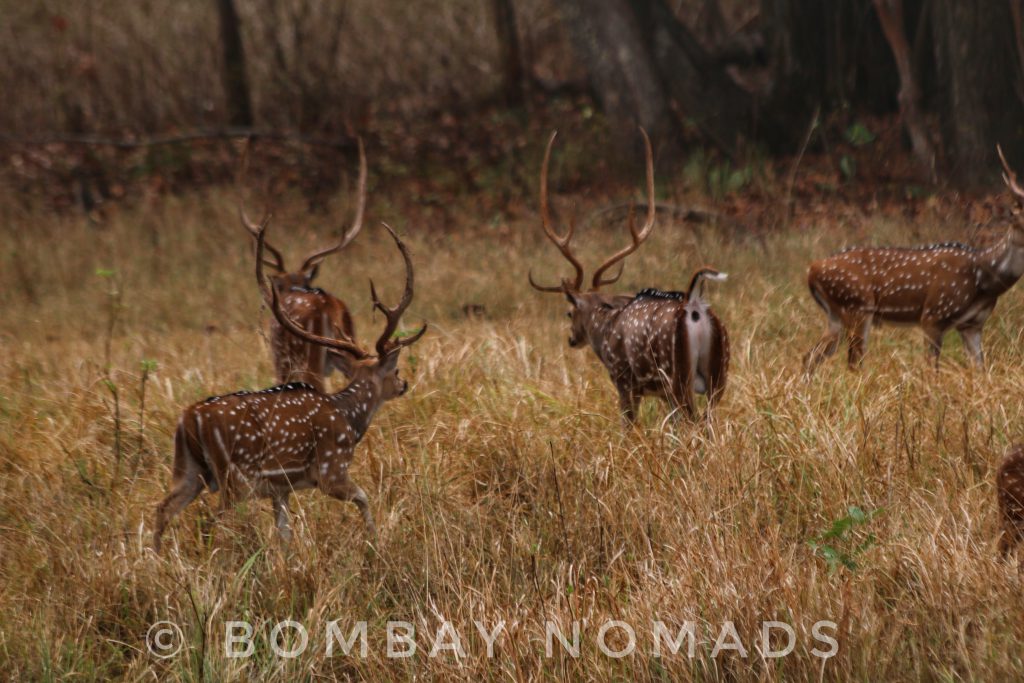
{"x":308,"y":290}
{"x":959,"y":246}
{"x":652,"y":293}
{"x":280,"y":388}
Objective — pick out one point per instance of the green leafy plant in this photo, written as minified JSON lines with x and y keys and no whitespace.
{"x":859,"y":135}
{"x":842,"y":543}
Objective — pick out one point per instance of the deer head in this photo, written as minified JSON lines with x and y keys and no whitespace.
{"x":585,"y":306}
{"x":285,"y":279}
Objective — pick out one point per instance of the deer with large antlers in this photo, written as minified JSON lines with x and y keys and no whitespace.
{"x":665,"y":344}
{"x":315,"y":310}
{"x":290,"y":437}
{"x":936,"y":287}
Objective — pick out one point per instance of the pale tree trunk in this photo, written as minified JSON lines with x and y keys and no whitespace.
{"x":890,"y":14}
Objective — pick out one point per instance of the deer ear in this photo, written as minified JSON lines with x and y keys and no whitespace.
{"x":572,"y":298}
{"x":311,"y":274}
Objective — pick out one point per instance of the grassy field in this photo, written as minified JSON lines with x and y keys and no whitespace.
{"x":503,"y":485}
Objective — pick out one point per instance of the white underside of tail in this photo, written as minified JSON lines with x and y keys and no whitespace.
{"x":698,"y":333}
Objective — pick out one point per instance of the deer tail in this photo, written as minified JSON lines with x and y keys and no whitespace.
{"x":682,"y":372}
{"x":705,"y":273}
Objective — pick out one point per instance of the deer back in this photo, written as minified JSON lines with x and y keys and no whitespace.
{"x":937,"y":282}
{"x":277,"y":437}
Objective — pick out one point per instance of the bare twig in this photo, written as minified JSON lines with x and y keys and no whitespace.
{"x":791,"y":180}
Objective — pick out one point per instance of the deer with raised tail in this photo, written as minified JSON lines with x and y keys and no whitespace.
{"x":936,"y":287}
{"x":315,"y":310}
{"x":664,"y":344}
{"x":290,"y":437}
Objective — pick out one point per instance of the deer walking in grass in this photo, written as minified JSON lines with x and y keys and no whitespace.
{"x":1010,"y":495}
{"x":936,"y":287}
{"x":270,"y":443}
{"x":666,"y":344}
{"x":315,"y":310}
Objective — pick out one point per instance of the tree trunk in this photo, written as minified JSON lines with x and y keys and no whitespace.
{"x":978,"y":71}
{"x":622,"y":76}
{"x":697,"y":84}
{"x":830,"y":54}
{"x":236,"y":85}
{"x":890,"y":14}
{"x":510,"y":55}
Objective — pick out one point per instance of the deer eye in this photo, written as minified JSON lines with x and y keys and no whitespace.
{"x":569,"y":314}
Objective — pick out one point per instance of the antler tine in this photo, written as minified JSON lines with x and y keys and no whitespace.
{"x":247,"y":223}
{"x":560,"y":241}
{"x":271,"y":298}
{"x":638,"y":236}
{"x":394,"y":315}
{"x":1009,"y":177}
{"x":357,"y":222}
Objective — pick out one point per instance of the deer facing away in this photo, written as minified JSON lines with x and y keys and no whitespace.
{"x":270,"y":443}
{"x":936,"y":287}
{"x":1010,"y":495}
{"x":666,"y":344}
{"x":317,"y":311}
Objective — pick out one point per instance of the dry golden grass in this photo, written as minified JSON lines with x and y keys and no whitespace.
{"x":503,"y":485}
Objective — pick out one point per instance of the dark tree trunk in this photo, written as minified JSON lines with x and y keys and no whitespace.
{"x":622,"y":76}
{"x":647,"y":68}
{"x":700,"y":89}
{"x":510,"y":55}
{"x":831,"y":54}
{"x":978,"y":73}
{"x":236,"y":84}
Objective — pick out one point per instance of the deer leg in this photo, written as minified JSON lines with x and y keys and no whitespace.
{"x":628,"y":402}
{"x":933,"y":342}
{"x":683,"y":401}
{"x":281,"y":517}
{"x":348,"y":491}
{"x":185,"y":490}
{"x":826,"y":346}
{"x":971,"y":337}
{"x":858,"y":333}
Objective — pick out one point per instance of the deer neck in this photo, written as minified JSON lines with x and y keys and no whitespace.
{"x":601,"y":333}
{"x":1004,"y":261}
{"x":357,"y":403}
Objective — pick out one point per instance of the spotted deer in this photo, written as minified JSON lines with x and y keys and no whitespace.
{"x":289,"y":437}
{"x":664,"y":344}
{"x":1010,"y":494}
{"x":312,"y":308}
{"x":936,"y":287}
